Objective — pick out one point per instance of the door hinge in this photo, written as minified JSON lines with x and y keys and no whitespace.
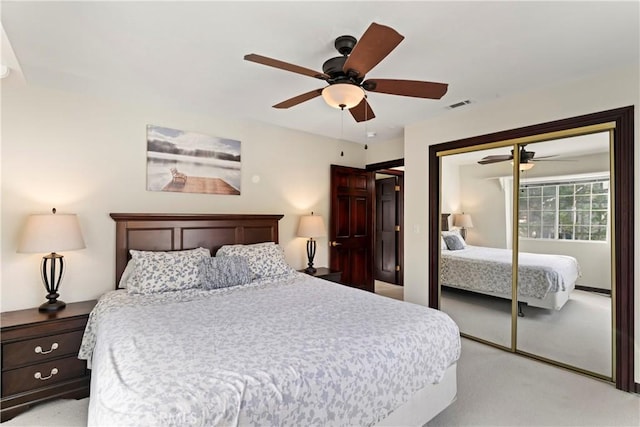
{"x":397,"y":228}
{"x":397,"y":188}
{"x":397,"y":268}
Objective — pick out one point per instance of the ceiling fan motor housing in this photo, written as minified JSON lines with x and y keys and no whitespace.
{"x":525,"y":155}
{"x":334,"y":68}
{"x":345,"y":44}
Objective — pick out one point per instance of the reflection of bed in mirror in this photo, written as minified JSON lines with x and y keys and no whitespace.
{"x":544,"y":280}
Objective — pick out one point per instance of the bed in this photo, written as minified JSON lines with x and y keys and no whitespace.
{"x":544,"y":280}
{"x":285,"y":349}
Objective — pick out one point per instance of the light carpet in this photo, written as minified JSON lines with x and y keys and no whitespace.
{"x":389,"y":290}
{"x":579,"y":334}
{"x":495,"y":388}
{"x":498,"y":388}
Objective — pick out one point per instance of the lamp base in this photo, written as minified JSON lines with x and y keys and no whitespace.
{"x":51,"y":281}
{"x":52,"y":306}
{"x":311,"y":253}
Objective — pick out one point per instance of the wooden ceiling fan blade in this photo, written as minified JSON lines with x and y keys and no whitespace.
{"x":494,"y":159}
{"x":374,"y":45}
{"x":362,"y":112}
{"x":414,"y":88}
{"x":292,"y":102}
{"x":259,"y":59}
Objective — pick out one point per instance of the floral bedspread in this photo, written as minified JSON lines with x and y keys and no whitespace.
{"x":489,"y":269}
{"x":297,"y":351}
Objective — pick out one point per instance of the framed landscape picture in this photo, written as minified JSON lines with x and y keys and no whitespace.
{"x":189,"y":162}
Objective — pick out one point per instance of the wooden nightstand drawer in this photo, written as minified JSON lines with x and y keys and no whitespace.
{"x":39,"y":353}
{"x":41,"y":375}
{"x":41,"y":349}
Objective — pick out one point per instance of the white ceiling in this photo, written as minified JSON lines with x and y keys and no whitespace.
{"x":189,"y":55}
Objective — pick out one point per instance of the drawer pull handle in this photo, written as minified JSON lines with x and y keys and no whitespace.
{"x":38,"y":349}
{"x":39,"y":376}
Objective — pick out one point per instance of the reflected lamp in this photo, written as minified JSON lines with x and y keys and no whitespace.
{"x":462,"y":221}
{"x":525,"y":166}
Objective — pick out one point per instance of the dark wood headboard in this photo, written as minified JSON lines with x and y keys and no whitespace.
{"x":170,"y":232}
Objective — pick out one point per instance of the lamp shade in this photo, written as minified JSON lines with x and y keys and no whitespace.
{"x":342,"y":95}
{"x":525,"y":166}
{"x":462,"y":221}
{"x":311,"y":226}
{"x":51,"y":233}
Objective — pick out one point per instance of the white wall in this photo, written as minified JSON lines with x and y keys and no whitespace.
{"x":450,"y":198}
{"x":568,"y":99}
{"x":482,"y":197}
{"x":382,"y":151}
{"x":88,"y":156}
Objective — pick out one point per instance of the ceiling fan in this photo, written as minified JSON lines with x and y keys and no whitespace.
{"x":526,"y":157}
{"x":346,"y":74}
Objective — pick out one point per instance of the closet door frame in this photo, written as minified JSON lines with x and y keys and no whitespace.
{"x":623,"y":241}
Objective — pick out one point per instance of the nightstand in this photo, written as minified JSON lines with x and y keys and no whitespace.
{"x":40,"y":357}
{"x":326,"y":274}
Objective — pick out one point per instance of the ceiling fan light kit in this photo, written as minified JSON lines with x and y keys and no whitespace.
{"x":525,"y":166}
{"x":345,"y":74}
{"x":342,"y":95}
{"x":527,"y":158}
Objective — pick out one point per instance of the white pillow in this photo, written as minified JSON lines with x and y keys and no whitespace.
{"x":264,"y":259}
{"x":443,"y":247}
{"x":165,"y":271}
{"x":127,"y":275}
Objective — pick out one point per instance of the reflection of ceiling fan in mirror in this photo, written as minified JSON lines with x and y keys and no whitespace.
{"x":527,"y":158}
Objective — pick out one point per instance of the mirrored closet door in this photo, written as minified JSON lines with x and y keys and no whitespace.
{"x":476,"y":291}
{"x":555,"y":215}
{"x":564,"y":224}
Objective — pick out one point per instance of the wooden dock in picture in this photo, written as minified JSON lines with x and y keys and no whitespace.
{"x":196,"y":184}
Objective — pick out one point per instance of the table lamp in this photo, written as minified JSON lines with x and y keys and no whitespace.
{"x":463,"y":221}
{"x":311,"y":226}
{"x":50,"y":233}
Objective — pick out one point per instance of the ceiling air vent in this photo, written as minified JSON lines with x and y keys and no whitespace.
{"x":459,"y":104}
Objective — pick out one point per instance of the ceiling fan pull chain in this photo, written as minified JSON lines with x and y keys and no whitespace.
{"x":366,"y":127}
{"x":342,"y":128}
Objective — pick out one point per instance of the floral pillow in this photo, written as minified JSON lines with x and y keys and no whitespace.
{"x":165,"y":271}
{"x":264,"y":259}
{"x":224,"y":272}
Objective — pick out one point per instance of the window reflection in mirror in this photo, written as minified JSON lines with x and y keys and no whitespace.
{"x":564,"y":213}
